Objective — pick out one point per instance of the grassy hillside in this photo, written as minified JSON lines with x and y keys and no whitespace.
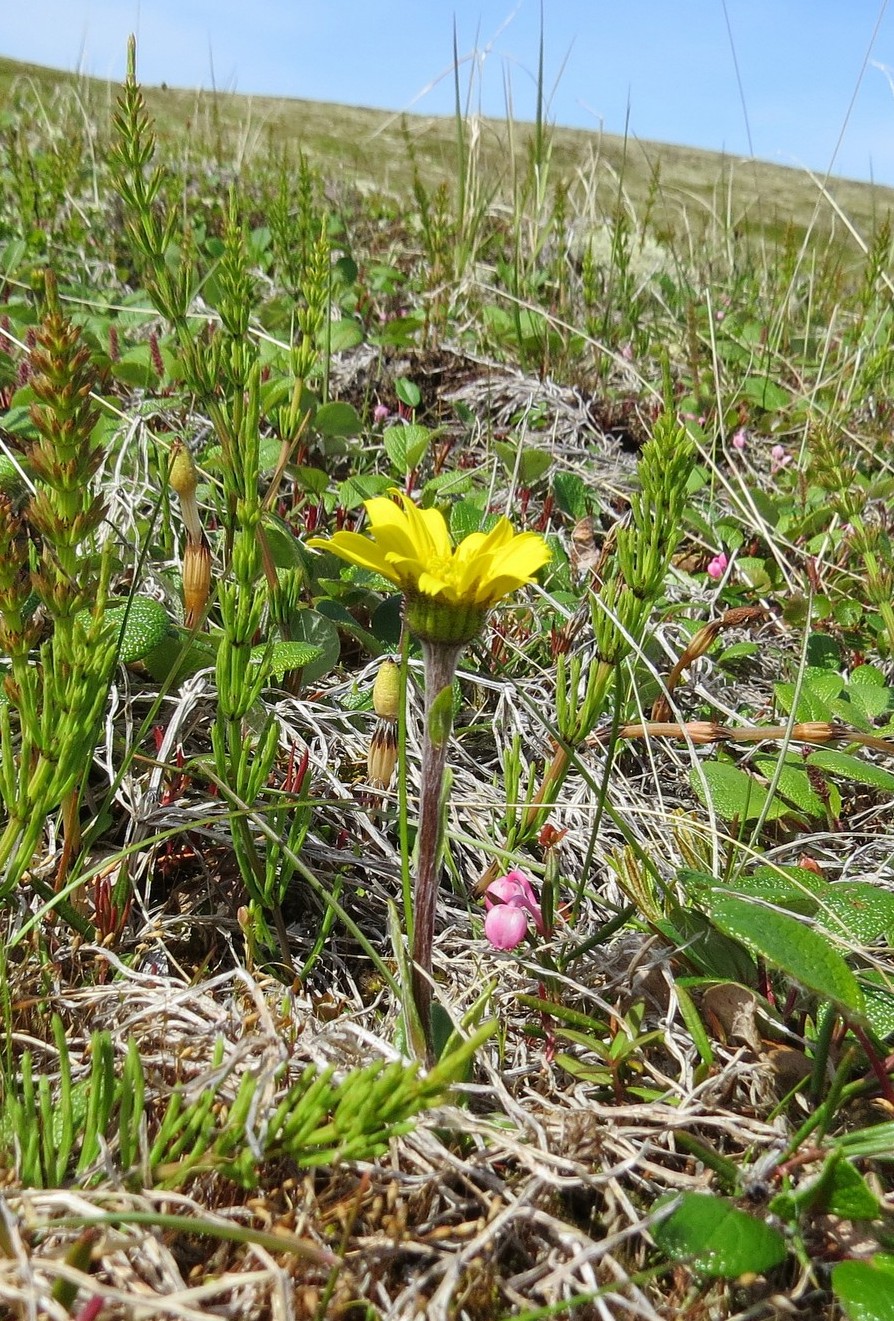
{"x":698,"y":189}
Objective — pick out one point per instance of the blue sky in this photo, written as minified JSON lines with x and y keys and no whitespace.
{"x":665,"y":67}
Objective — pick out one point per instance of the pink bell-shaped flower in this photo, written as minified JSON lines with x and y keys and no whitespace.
{"x":510,"y":902}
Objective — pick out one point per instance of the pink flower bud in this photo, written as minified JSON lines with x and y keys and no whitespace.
{"x":380,"y":413}
{"x":506,"y":926}
{"x":778,"y":459}
{"x":510,"y":902}
{"x":718,"y":566}
{"x":740,"y":439}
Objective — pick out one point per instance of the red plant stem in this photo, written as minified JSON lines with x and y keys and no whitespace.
{"x":440,"y":669}
{"x":877,"y":1065}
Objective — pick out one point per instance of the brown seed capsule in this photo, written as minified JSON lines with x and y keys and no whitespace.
{"x":382,"y":756}
{"x":196,"y":580}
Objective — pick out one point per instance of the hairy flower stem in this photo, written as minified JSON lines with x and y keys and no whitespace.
{"x":440,"y":668}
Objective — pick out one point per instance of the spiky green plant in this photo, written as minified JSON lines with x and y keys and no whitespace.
{"x":50,"y":720}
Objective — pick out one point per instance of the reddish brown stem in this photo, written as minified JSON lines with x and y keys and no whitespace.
{"x":440,"y":668}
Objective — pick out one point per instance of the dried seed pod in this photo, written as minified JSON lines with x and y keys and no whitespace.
{"x":196,"y":580}
{"x":382,"y":756}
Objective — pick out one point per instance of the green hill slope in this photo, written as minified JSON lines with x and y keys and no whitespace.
{"x":684,"y":186}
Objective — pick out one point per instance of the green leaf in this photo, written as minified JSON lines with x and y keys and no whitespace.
{"x":857,"y":910}
{"x":794,"y":784}
{"x":344,"y":334}
{"x":764,"y":393}
{"x":717,"y":1239}
{"x":847,"y":1194}
{"x":878,"y":996}
{"x":795,"y":888}
{"x":465,"y":517}
{"x":440,"y":717}
{"x":136,"y":368}
{"x":839,"y":1189}
{"x":17,"y":421}
{"x":406,"y":445}
{"x":783,"y":941}
{"x":363,"y":486}
{"x":571,"y":494}
{"x":281,"y":657}
{"x":143,"y":624}
{"x":865,"y":1289}
{"x":529,"y":462}
{"x":867,"y":689}
{"x":337,"y":419}
{"x":707,"y":949}
{"x":852,"y":768}
{"x":310,"y":626}
{"x":817,"y":689}
{"x":408,"y":392}
{"x":734,"y":793}
{"x":282,"y":543}
{"x":737,"y":651}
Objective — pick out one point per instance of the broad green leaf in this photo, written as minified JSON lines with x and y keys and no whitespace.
{"x":717,"y":1239}
{"x":337,"y":419}
{"x":445,"y":483}
{"x":857,"y":911}
{"x":787,"y":944}
{"x":571,"y":494}
{"x":529,"y":462}
{"x":817,"y":689}
{"x":143,"y":624}
{"x":136,"y":368}
{"x":878,"y":996}
{"x":839,"y":1189}
{"x":794,"y":784}
{"x":852,"y":768}
{"x":17,"y":421}
{"x":465,"y":517}
{"x":823,"y":651}
{"x":346,"y":623}
{"x":310,"y":626}
{"x":867,"y":689}
{"x":406,"y":445}
{"x":795,"y":888}
{"x":408,"y":392}
{"x":765,"y":393}
{"x":753,"y":572}
{"x":362,"y":487}
{"x":710,"y":951}
{"x":734,"y":793}
{"x":282,"y":543}
{"x":281,"y":657}
{"x":344,"y":334}
{"x":865,"y":1289}
{"x":738,"y":651}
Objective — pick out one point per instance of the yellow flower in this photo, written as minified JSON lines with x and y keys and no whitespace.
{"x":449,"y":589}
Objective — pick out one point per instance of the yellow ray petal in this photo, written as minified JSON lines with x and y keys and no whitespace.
{"x":354,"y":548}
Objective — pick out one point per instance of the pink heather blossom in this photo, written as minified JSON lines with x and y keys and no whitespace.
{"x":510,"y":902}
{"x":778,"y":460}
{"x":740,"y":439}
{"x":380,"y":412}
{"x":718,"y":566}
